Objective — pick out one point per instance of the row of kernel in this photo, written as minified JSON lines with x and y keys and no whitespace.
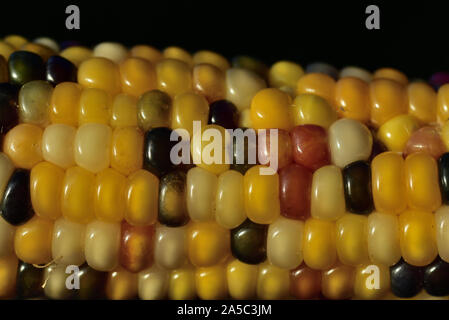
{"x":230,"y":279}
{"x":80,"y":195}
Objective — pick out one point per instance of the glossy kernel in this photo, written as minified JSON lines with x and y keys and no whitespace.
{"x":142,"y":194}
{"x":109,"y":203}
{"x":388,"y":99}
{"x":223,"y":113}
{"x":22,"y":144}
{"x":65,"y":104}
{"x":209,"y":81}
{"x":305,"y":283}
{"x":422,"y":102}
{"x":310,"y":146}
{"x":241,"y":86}
{"x":68,"y":242}
{"x":102,"y":245}
{"x":242,"y":280}
{"x":436,"y":278}
{"x":295,"y":184}
{"x":59,"y":70}
{"x":201,"y":186}
{"x":208,"y":244}
{"x":124,"y":111}
{"x":78,"y":194}
{"x":230,"y":202}
{"x":270,"y":109}
{"x":337,"y":283}
{"x":395,"y":133}
{"x":442,"y":232}
{"x":284,"y":243}
{"x":153,"y":110}
{"x":121,"y":285}
{"x":211,"y":282}
{"x":312,"y":109}
{"x":209,"y":148}
{"x":187,"y":108}
{"x":352,"y":247}
{"x":273,"y":283}
{"x":406,"y":280}
{"x":285,"y":74}
{"x":16,"y":207}
{"x":170,"y":247}
{"x":153,"y":283}
{"x":319,"y":247}
{"x":157,"y":151}
{"x":327,"y":195}
{"x":100,"y":73}
{"x":174,"y":77}
{"x":261,"y":196}
{"x":182,"y":284}
{"x":95,"y":106}
{"x":46,"y":185}
{"x":92,"y":146}
{"x":57,"y":145}
{"x":351,"y":99}
{"x":34,"y":102}
{"x":388,"y":183}
{"x":421,"y":174}
{"x":127,"y":150}
{"x":383,"y":238}
{"x":427,"y":140}
{"x":25,"y":66}
{"x":136,"y":247}
{"x":172,"y":199}
{"x":32,"y":242}
{"x":137,"y":76}
{"x":319,"y":84}
{"x":349,"y":141}
{"x":249,"y":242}
{"x":357,"y":184}
{"x":417,"y":237}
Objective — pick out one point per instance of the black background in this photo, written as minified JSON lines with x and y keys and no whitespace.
{"x":414,"y":35}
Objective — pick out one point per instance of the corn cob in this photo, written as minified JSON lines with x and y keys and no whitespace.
{"x":86,"y":177}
